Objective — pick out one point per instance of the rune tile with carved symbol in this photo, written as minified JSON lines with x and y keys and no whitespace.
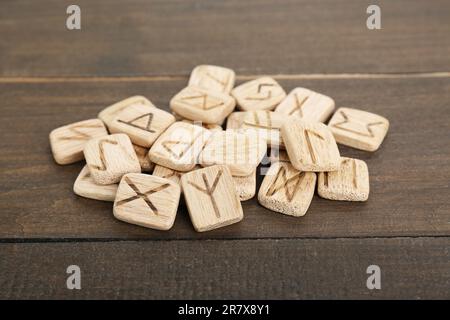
{"x":179,"y":146}
{"x":310,"y":145}
{"x":213,"y":78}
{"x":350,"y":182}
{"x":359,"y":129}
{"x":307,"y":105}
{"x":142,"y":123}
{"x":267,"y":125}
{"x":286,"y":189}
{"x":260,"y":94}
{"x":86,"y":187}
{"x":147,"y":200}
{"x":196,"y":103}
{"x":110,"y":157}
{"x":211,"y":198}
{"x":108,"y":114}
{"x":68,"y":142}
{"x":241,"y":151}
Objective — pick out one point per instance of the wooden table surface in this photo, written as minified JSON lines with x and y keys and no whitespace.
{"x":50,"y":76}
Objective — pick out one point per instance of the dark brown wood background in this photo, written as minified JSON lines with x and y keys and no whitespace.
{"x":50,"y":76}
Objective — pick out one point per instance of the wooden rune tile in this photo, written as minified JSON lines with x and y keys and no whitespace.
{"x":195,"y":103}
{"x":147,"y":201}
{"x":108,"y":114}
{"x":358,"y":129}
{"x":260,"y":94}
{"x":179,"y":146}
{"x":240,"y":151}
{"x":143,"y":123}
{"x":213,"y":78}
{"x":287,"y":190}
{"x":350,"y":182}
{"x":211,"y":198}
{"x":307,"y":105}
{"x":110,"y":157}
{"x":68,"y":142}
{"x":310,"y":145}
{"x":267,"y":125}
{"x":86,"y":187}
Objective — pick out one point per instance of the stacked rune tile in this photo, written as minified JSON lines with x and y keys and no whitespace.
{"x":144,"y":158}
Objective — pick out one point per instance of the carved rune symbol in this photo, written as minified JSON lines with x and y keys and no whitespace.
{"x":144,"y":196}
{"x":209,"y":190}
{"x":101,"y":147}
{"x":78,"y":134}
{"x":169,"y":144}
{"x":282,"y":182}
{"x":326,"y":176}
{"x":223,"y":83}
{"x":257,"y":123}
{"x":307,"y":133}
{"x":204,"y":101}
{"x":147,"y":126}
{"x":299,"y":105}
{"x":260,"y":90}
{"x":368,"y":126}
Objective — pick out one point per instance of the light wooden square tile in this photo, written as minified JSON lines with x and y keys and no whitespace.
{"x":213,"y":78}
{"x":260,"y":94}
{"x":240,"y":151}
{"x":142,"y":123}
{"x":358,"y":129}
{"x":310,"y":146}
{"x":267,"y":124}
{"x":144,"y":160}
{"x":179,"y":146}
{"x":147,"y":201}
{"x":245,"y":186}
{"x":170,"y":174}
{"x":287,"y":190}
{"x":235,"y":119}
{"x":108,"y":114}
{"x":110,"y":157}
{"x":195,"y":103}
{"x":350,"y":182}
{"x":211,"y":198}
{"x":210,"y":127}
{"x":307,"y":105}
{"x":86,"y":187}
{"x":68,"y":142}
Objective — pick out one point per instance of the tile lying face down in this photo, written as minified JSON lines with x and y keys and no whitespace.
{"x":260,"y":94}
{"x":147,"y":200}
{"x":110,"y":157}
{"x":358,"y":129}
{"x":287,"y":190}
{"x":86,"y":187}
{"x":211,"y":198}
{"x":349,"y":183}
{"x":310,"y":145}
{"x":68,"y":142}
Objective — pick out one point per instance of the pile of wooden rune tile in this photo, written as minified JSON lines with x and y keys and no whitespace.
{"x":143,"y":158}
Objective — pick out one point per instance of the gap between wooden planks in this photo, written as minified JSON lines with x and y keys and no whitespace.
{"x":444,"y":74}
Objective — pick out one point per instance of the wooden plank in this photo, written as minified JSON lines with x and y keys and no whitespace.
{"x":140,"y":37}
{"x":244,"y":269}
{"x":409,"y":174}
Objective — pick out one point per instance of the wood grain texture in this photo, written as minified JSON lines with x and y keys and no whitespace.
{"x":248,"y":269}
{"x":409,"y":173}
{"x":140,"y":37}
